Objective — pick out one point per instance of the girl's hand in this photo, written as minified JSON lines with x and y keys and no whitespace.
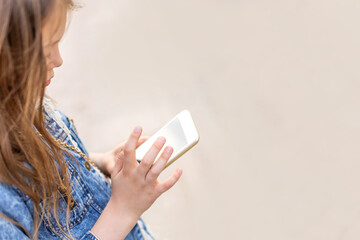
{"x":135,"y":186}
{"x":106,"y":161}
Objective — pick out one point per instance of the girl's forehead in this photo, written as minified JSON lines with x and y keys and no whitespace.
{"x":54,"y":24}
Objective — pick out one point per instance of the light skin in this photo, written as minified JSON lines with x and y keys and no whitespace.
{"x":134,"y":186}
{"x":52,"y":31}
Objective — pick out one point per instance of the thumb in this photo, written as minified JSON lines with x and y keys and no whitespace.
{"x":142,"y":140}
{"x":119,"y":162}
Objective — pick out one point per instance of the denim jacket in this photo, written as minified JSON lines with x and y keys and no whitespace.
{"x":90,"y":191}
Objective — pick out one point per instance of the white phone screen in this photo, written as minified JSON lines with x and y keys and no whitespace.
{"x":180,"y":134}
{"x":174,"y":135}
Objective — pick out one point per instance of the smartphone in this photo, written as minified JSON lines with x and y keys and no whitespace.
{"x":180,"y":133}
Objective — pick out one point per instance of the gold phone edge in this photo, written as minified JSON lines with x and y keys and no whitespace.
{"x":176,"y":158}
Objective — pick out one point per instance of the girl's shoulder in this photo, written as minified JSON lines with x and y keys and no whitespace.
{"x":52,"y":112}
{"x":57,"y":123}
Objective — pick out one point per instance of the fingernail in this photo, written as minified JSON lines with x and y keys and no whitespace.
{"x":137,"y":129}
{"x":179,"y":171}
{"x":161,"y":140}
{"x":168,"y":149}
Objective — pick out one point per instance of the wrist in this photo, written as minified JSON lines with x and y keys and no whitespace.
{"x":115,"y":222}
{"x":122,"y":211}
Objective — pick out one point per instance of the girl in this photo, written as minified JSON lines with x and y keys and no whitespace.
{"x":51,"y":188}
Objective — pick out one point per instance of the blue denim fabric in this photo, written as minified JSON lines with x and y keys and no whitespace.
{"x":90,"y":190}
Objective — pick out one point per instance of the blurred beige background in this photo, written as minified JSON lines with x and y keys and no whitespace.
{"x":273,"y":87}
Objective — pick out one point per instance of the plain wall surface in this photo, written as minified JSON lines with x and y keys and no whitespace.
{"x":273,"y":87}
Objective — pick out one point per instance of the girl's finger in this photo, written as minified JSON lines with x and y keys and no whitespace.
{"x":151,"y":155}
{"x":129,"y":149}
{"x":168,"y":183}
{"x":142,"y":140}
{"x":118,"y":164}
{"x":156,"y":169}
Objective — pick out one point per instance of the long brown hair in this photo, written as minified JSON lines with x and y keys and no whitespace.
{"x":33,"y":164}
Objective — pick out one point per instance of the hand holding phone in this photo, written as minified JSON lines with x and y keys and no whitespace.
{"x":180,"y":133}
